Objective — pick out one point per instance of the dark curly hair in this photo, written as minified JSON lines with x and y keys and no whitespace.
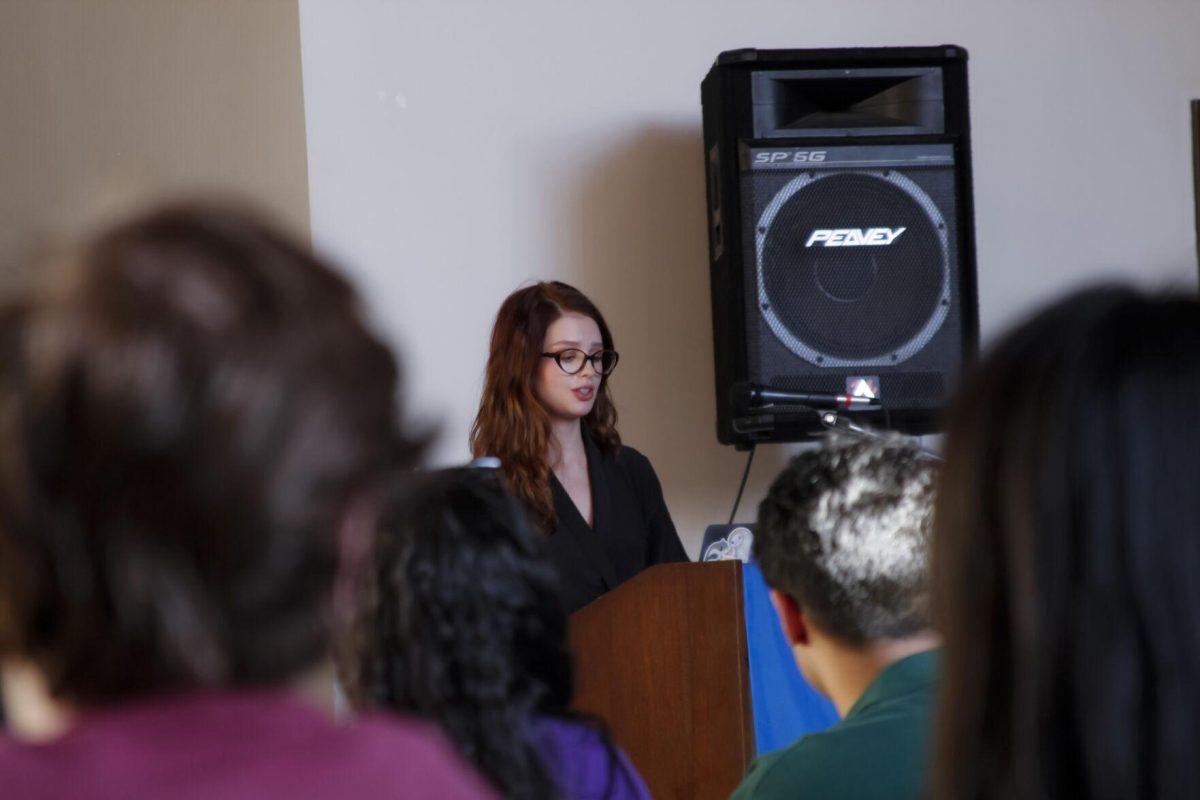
{"x":463,"y":625}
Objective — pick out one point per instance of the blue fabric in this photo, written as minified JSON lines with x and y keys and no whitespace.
{"x":785,"y":706}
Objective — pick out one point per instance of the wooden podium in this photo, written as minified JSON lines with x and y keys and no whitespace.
{"x":662,"y":658}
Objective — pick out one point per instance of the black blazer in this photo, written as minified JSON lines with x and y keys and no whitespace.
{"x":632,"y":527}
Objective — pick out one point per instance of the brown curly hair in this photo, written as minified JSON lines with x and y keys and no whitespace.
{"x":512,"y":424}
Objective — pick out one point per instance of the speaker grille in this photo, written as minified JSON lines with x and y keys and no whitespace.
{"x":834,"y":300}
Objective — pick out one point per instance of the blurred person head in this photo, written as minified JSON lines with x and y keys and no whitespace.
{"x":190,"y":412}
{"x":843,"y":542}
{"x":1067,"y":557}
{"x":462,"y":625}
{"x":550,"y":356}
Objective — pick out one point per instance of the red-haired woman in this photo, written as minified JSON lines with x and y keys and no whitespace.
{"x":547,"y":414}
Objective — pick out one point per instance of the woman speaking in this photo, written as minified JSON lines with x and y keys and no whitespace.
{"x":547,"y":414}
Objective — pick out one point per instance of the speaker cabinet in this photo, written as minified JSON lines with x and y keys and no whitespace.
{"x":841,"y":241}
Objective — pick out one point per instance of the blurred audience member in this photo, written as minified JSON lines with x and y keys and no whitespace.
{"x":1067,"y":558}
{"x":843,"y":542}
{"x":463,"y":626}
{"x":193,"y":421}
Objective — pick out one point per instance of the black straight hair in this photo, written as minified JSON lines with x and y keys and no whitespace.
{"x":1067,"y":558}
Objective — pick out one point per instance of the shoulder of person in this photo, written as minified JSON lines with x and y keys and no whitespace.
{"x":809,"y":767}
{"x":564,"y":732}
{"x":633,"y":459}
{"x":584,"y":761}
{"x":396,"y":749}
{"x":847,"y":761}
{"x":638,"y":471}
{"x":765,"y":779}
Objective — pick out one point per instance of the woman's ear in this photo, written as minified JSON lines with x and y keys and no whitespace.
{"x":795,"y":627}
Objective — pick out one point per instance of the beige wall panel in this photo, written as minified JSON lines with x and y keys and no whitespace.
{"x":104,"y":103}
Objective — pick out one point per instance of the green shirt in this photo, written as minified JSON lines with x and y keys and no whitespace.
{"x":877,"y":751}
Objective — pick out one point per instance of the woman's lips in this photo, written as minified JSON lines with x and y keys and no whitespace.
{"x":584,"y":393}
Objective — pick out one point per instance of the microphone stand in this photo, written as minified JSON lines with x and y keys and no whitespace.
{"x":841,"y":424}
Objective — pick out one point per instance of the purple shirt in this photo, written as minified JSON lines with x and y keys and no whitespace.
{"x":234,"y":747}
{"x":584,"y":764}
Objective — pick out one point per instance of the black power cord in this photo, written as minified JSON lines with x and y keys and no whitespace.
{"x":742,"y":488}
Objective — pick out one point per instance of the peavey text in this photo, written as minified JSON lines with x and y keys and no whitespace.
{"x":854,"y":237}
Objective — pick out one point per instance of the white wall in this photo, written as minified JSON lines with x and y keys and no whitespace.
{"x":458,"y":149}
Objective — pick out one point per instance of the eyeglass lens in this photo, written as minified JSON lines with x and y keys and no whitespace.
{"x":572,"y":360}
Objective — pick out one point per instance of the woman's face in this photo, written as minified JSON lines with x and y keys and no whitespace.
{"x":569,"y":396}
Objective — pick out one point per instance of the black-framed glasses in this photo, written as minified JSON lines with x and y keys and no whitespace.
{"x":571,"y":361}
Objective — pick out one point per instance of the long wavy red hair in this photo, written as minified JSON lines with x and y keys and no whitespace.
{"x":512,"y":424}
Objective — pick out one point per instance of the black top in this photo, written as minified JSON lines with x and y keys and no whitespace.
{"x":632,"y":527}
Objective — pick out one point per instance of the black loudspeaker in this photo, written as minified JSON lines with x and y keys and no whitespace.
{"x":841,"y":237}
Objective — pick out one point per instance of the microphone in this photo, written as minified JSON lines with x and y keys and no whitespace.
{"x":750,"y":395}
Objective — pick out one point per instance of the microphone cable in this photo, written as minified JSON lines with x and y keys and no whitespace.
{"x":745,"y":474}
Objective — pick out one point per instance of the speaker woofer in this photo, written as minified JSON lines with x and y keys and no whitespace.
{"x":830,"y":287}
